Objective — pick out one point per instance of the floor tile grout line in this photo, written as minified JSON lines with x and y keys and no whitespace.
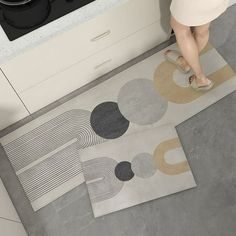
{"x":10,"y":220}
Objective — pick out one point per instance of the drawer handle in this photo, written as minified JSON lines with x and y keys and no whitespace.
{"x":105,"y":62}
{"x":101,"y":36}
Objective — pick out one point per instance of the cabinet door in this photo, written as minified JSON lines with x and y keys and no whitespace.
{"x":84,"y":72}
{"x":11,"y":107}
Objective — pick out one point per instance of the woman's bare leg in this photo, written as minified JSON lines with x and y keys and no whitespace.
{"x":201,"y":35}
{"x":189,"y":49}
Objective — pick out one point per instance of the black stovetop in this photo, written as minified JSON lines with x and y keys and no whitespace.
{"x":58,"y":9}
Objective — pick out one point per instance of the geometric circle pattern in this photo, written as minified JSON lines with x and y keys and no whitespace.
{"x":123,"y":171}
{"x":143,"y":165}
{"x":139,"y":102}
{"x":107,"y":121}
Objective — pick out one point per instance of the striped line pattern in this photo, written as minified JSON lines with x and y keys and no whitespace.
{"x":100,"y":178}
{"x":47,"y":156}
{"x":50,"y":173}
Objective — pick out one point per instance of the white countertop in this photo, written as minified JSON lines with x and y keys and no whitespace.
{"x":9,"y":49}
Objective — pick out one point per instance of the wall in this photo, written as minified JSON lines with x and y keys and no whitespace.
{"x":232,"y":2}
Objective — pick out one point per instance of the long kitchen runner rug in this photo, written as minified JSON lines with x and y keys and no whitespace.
{"x":45,"y":152}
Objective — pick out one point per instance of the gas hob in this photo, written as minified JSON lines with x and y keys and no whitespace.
{"x":17,"y":22}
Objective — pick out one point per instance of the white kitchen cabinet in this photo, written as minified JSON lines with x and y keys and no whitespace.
{"x":11,"y":107}
{"x":94,"y":66}
{"x":74,"y":58}
{"x":63,"y":51}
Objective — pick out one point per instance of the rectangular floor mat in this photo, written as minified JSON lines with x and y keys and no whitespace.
{"x":135,"y":168}
{"x":44,"y":152}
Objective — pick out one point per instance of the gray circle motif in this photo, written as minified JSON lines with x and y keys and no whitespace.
{"x":143,"y":165}
{"x":123,"y":171}
{"x":140,"y":103}
{"x":107,"y":120}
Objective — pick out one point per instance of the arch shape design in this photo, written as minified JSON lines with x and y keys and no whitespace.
{"x":73,"y":124}
{"x":46,"y":159}
{"x":100,"y":178}
{"x":166,"y":87}
{"x":162,"y":165}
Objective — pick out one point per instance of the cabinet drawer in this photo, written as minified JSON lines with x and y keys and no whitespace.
{"x":11,"y":107}
{"x":82,"y":73}
{"x":86,"y":39}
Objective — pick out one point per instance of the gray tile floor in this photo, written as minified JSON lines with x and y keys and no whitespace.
{"x":208,"y":139}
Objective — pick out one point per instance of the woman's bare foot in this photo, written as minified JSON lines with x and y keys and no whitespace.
{"x":181,"y":61}
{"x":200,"y":84}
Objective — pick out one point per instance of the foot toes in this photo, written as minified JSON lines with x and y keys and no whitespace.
{"x":167,"y":51}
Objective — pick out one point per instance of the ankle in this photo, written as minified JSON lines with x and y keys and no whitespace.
{"x":200,"y":75}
